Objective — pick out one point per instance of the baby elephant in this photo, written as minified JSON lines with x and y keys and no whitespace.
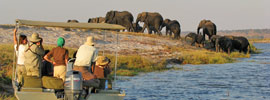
{"x":224,"y":43}
{"x":196,"y":38}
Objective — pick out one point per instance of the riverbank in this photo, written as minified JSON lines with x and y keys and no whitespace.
{"x":138,"y":52}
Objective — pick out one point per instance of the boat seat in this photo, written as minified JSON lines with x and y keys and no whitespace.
{"x":50,"y":82}
{"x":31,"y":89}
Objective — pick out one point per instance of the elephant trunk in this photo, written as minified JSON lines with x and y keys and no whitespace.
{"x":186,"y":37}
{"x":137,"y":21}
{"x":198,"y":29}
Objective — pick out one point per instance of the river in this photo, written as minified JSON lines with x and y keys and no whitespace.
{"x":248,"y":79}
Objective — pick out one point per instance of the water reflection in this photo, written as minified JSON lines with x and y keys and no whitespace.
{"x":248,"y":79}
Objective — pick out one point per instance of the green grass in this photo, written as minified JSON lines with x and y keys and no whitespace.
{"x":205,"y":57}
{"x":5,"y":97}
{"x":133,"y":64}
{"x":6,"y":61}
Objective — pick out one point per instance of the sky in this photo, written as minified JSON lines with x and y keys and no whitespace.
{"x":226,"y":14}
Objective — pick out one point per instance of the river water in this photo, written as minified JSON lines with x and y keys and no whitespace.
{"x":248,"y":79}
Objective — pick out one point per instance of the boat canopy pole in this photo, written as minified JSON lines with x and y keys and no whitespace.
{"x":116,"y":56}
{"x":104,"y":39}
{"x":14,"y":77}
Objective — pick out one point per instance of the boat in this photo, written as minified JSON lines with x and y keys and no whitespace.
{"x":68,"y":93}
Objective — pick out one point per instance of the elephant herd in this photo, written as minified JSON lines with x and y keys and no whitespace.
{"x":230,"y":43}
{"x":154,"y":22}
{"x":224,"y":43}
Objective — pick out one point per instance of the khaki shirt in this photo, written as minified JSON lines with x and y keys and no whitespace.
{"x":33,"y":56}
{"x":86,"y":55}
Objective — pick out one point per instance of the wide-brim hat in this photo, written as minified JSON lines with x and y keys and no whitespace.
{"x":90,"y":41}
{"x":34,"y":38}
{"x":102,"y":60}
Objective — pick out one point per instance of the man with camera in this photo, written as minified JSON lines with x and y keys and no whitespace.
{"x":33,"y":56}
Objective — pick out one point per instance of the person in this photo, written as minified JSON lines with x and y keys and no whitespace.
{"x":19,"y":49}
{"x":47,"y":67}
{"x":33,"y":56}
{"x":85,"y":57}
{"x":102,"y":69}
{"x":60,"y":56}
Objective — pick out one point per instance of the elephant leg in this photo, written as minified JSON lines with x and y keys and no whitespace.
{"x":144,"y":26}
{"x":209,"y":37}
{"x":217,"y":48}
{"x":149,"y":30}
{"x":158,"y":28}
{"x":240,"y":50}
{"x":193,"y":41}
{"x":167,"y":31}
{"x":175,"y":36}
{"x":170,"y":33}
{"x":131,"y":29}
{"x":204,"y":36}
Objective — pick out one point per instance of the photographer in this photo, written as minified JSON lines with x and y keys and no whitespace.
{"x":33,"y":56}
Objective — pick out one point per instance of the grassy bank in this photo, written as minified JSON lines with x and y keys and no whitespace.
{"x":260,"y":40}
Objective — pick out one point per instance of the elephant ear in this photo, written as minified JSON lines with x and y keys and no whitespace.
{"x":166,"y":21}
{"x":144,"y":16}
{"x":113,"y":14}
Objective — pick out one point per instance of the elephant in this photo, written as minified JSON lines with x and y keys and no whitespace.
{"x":138,"y":28}
{"x":150,"y":19}
{"x":213,"y":40}
{"x":96,"y":20}
{"x":123,"y":18}
{"x":172,"y":27}
{"x":224,"y":43}
{"x":71,"y":21}
{"x":196,"y":38}
{"x":208,"y":27}
{"x":241,"y":43}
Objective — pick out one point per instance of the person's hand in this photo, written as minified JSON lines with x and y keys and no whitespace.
{"x":53,"y":63}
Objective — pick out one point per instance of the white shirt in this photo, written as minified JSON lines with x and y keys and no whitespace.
{"x":86,"y":55}
{"x":20,"y":53}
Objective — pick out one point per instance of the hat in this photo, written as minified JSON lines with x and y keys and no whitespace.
{"x":60,"y":42}
{"x":34,"y":38}
{"x":89,"y":41}
{"x":102,"y":60}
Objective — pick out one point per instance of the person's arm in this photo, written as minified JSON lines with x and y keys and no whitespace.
{"x":14,"y":36}
{"x":47,"y":57}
